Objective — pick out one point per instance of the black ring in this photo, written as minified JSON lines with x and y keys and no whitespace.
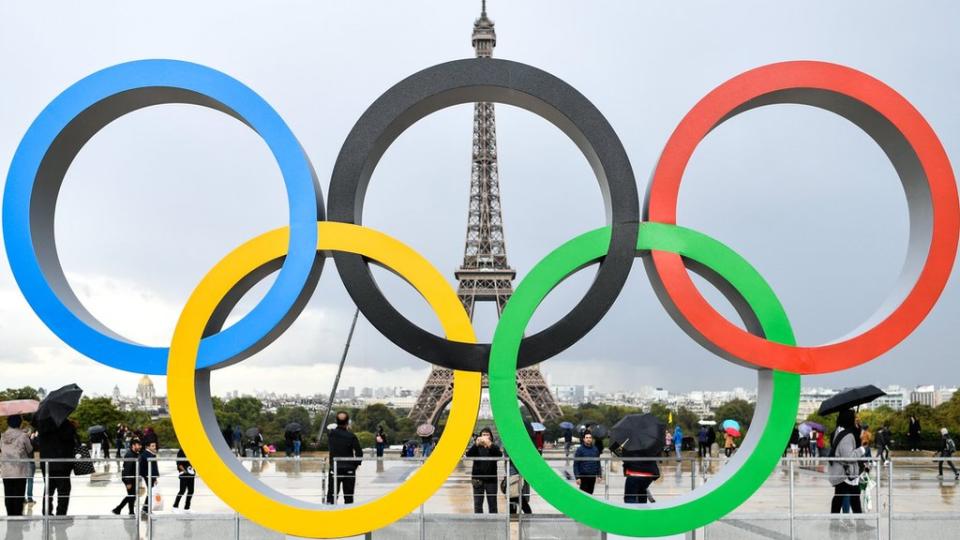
{"x":501,"y":81}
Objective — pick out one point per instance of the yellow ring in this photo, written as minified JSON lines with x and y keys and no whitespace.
{"x":187,"y":386}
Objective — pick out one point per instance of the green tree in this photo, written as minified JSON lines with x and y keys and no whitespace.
{"x":735,"y":409}
{"x":377,"y":414}
{"x":97,"y":411}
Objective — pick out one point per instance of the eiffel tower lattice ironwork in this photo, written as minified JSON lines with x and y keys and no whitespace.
{"x":485,"y":275}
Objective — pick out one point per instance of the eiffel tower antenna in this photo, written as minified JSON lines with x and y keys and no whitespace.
{"x":485,"y":275}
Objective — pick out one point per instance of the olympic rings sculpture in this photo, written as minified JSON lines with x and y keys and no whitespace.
{"x":200,"y":344}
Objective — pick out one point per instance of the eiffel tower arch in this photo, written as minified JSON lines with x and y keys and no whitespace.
{"x":485,"y":275}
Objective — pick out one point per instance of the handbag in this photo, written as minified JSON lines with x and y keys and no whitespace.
{"x":81,"y":467}
{"x":157,"y":500}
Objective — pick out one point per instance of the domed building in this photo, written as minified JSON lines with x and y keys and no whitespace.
{"x":146,"y":394}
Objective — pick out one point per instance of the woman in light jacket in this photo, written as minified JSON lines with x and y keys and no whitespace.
{"x":15,"y":450}
{"x":845,"y":475}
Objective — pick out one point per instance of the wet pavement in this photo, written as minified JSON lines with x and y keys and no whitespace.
{"x":915,"y":489}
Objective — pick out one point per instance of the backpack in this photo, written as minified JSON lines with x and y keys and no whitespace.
{"x":379,"y":439}
{"x":951,"y":446}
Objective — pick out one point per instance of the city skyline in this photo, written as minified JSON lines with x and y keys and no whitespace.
{"x":133,"y":265}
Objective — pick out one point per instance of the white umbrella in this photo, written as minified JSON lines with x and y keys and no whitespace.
{"x":707,"y":423}
{"x":18,"y":406}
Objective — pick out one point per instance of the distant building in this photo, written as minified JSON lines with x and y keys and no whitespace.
{"x":897,"y":398}
{"x":810,"y":400}
{"x":146,"y":394}
{"x":931,"y":396}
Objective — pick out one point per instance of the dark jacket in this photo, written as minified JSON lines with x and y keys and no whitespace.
{"x":484,"y":470}
{"x":944,"y":451}
{"x":60,"y":443}
{"x":130,"y":459}
{"x":344,"y":444}
{"x":148,"y":468}
{"x":711,"y":435}
{"x":648,"y":466}
{"x":183,"y":464}
{"x":914,"y":429}
{"x":587,"y":467}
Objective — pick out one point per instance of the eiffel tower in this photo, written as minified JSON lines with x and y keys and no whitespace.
{"x":485,"y":275}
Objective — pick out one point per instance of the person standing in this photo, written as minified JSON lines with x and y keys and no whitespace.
{"x":883,"y":443}
{"x":119,"y":440}
{"x":586,"y":464}
{"x":149,"y":471}
{"x":814,"y":450}
{"x":426,"y":446}
{"x":381,"y":441}
{"x":677,"y":440}
{"x":15,"y":450}
{"x":947,"y":447}
{"x":517,"y":491}
{"x":297,"y":444}
{"x":128,"y":476}
{"x":913,"y":434}
{"x":237,"y":440}
{"x":711,"y":441}
{"x":844,"y":475}
{"x":639,"y":473}
{"x":57,"y":444}
{"x":728,"y":444}
{"x":188,"y":479}
{"x":567,"y":441}
{"x":483,"y":474}
{"x":96,"y":446}
{"x":343,"y":444}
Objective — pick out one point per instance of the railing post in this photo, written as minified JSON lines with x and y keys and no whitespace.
{"x":506,"y":495}
{"x":606,"y":483}
{"x":876,"y":492}
{"x":149,"y":500}
{"x":790,"y":462}
{"x":889,"y":498}
{"x":136,"y":493}
{"x":44,"y":505}
{"x":236,"y":524}
{"x":423,"y":518}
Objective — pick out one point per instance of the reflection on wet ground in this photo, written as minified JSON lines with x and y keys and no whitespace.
{"x":916,"y":487}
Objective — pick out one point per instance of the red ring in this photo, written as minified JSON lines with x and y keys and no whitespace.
{"x":895,"y":327}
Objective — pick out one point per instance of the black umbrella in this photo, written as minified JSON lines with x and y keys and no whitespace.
{"x":252,"y":432}
{"x":599,"y":431}
{"x":851,"y":397}
{"x":293,"y":427}
{"x":92,"y":430}
{"x":56,"y":407}
{"x":640,"y":433}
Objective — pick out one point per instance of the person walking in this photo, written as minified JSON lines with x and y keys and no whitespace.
{"x":567,"y":441}
{"x":15,"y":450}
{"x":586,"y":464}
{"x":343,"y":444}
{"x":814,"y":449}
{"x":128,"y":476}
{"x":188,"y":480}
{"x":118,"y":441}
{"x":844,"y":475}
{"x":57,"y":444}
{"x":728,"y":444}
{"x":297,"y":444}
{"x":381,"y":441}
{"x":31,"y":467}
{"x":702,"y":447}
{"x":677,"y":440}
{"x":483,"y":474}
{"x":913,"y":434}
{"x":884,"y":440}
{"x":96,"y":446}
{"x":149,"y":471}
{"x":947,"y":447}
{"x":712,"y":441}
{"x":427,"y":445}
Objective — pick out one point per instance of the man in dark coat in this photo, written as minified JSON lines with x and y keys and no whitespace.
{"x":59,"y":444}
{"x":129,"y":477}
{"x":149,"y":471}
{"x":343,"y":444}
{"x":483,"y":475}
{"x":586,"y":464}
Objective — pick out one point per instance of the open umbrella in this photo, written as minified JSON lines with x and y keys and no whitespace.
{"x":252,"y":432}
{"x":640,"y":433}
{"x":18,"y":406}
{"x":733,"y":432}
{"x":599,"y":431}
{"x":426,"y":430}
{"x":707,"y":422}
{"x":813,"y":426}
{"x":96,"y":429}
{"x":731,"y":424}
{"x":537,"y":426}
{"x":566,"y":425}
{"x":850,"y":398}
{"x":804,"y":429}
{"x":293,"y":427}
{"x":54,"y":409}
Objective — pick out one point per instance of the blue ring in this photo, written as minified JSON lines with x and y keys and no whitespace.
{"x":175,"y":82}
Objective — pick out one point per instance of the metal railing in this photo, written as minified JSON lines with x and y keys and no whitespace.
{"x":793,"y":499}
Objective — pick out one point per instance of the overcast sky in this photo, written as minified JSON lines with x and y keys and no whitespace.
{"x":157,"y":197}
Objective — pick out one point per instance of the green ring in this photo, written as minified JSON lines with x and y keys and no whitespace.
{"x":777,"y":401}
